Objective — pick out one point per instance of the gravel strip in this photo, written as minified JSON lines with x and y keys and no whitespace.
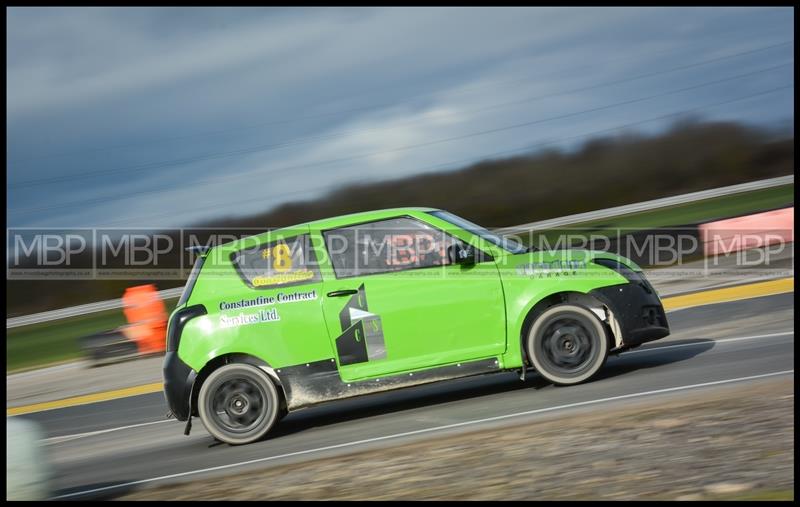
{"x":721,"y":443}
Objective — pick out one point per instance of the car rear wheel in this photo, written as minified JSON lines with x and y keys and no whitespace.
{"x":567,"y":344}
{"x":238,"y":404}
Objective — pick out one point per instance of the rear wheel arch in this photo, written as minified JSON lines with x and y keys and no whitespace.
{"x":235,"y":357}
{"x":239,"y":403}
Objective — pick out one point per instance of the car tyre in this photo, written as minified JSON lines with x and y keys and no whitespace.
{"x":567,"y":344}
{"x":238,"y":404}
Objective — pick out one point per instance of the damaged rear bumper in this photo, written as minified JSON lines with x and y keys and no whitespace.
{"x":178,"y":382}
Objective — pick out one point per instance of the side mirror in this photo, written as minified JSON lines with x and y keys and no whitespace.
{"x":461,"y":255}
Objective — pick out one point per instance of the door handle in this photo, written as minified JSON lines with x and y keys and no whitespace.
{"x":344,"y":292}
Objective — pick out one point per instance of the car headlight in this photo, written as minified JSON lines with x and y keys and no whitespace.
{"x":629,"y":274}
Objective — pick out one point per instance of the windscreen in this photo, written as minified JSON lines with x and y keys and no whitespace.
{"x":504,"y":243}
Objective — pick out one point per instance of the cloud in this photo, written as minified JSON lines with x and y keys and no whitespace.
{"x":108,"y":89}
{"x":139,"y":63}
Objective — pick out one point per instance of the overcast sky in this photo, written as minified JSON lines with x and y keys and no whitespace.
{"x":168,"y":116}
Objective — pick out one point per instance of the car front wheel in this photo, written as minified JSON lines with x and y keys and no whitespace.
{"x":567,"y":344}
{"x":238,"y":404}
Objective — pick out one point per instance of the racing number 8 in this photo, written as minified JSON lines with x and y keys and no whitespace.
{"x":282,"y":259}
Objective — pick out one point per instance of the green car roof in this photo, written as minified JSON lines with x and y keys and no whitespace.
{"x":339,"y":221}
{"x":364,"y":216}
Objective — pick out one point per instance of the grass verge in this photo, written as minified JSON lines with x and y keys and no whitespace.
{"x":50,"y":343}
{"x":684,"y":214}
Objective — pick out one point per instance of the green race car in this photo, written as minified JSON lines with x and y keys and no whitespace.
{"x":381,"y":300}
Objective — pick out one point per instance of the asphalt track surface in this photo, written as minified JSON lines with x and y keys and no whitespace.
{"x":103,"y":449}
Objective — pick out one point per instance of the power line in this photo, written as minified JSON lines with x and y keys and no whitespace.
{"x":311,"y":139}
{"x":457,"y":163}
{"x":128,"y":195}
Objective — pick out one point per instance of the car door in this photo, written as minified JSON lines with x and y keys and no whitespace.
{"x":393,"y":301}
{"x":273,"y":308}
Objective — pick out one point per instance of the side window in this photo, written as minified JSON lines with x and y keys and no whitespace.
{"x":395,"y":244}
{"x":280,"y":263}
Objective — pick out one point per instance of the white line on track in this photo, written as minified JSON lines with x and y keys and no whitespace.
{"x":67,"y":438}
{"x":418,"y":432}
{"x":46,"y":371}
{"x":721,"y":340}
